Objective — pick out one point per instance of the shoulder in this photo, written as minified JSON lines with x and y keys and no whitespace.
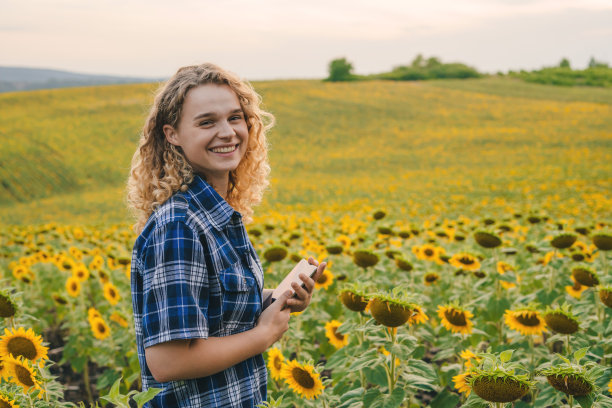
{"x":178,"y":214}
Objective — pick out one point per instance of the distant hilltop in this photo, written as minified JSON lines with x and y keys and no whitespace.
{"x":23,"y":79}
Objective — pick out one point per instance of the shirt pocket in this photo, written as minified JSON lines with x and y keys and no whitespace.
{"x":239,"y":299}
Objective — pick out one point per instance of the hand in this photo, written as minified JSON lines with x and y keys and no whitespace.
{"x":303,"y":295}
{"x":273,"y":322}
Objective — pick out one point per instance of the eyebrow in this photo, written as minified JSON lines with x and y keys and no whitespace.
{"x":208,"y":114}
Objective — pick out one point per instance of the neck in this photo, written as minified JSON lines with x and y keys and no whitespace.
{"x":220,"y":184}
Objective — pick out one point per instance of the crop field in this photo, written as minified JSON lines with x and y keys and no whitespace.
{"x":467,"y":226}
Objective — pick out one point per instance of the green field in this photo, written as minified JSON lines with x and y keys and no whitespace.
{"x":66,"y":153}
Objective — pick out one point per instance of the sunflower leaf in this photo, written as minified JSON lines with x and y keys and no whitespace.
{"x":506,"y":355}
{"x":578,"y":354}
{"x":585,"y":401}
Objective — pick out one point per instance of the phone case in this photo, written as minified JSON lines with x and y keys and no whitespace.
{"x":294,"y":276}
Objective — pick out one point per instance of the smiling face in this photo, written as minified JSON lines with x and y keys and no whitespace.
{"x":212,"y":131}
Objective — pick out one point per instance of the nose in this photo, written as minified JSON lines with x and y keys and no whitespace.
{"x":226,"y":130}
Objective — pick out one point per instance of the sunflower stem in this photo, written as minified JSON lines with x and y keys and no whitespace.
{"x":599,"y":317}
{"x":568,"y":346}
{"x":361,"y":339}
{"x":532,"y":356}
{"x":392,"y":383}
{"x":571,"y":401}
{"x":551,"y":279}
{"x":86,"y":381}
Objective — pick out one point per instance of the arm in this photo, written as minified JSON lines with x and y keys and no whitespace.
{"x":194,"y":358}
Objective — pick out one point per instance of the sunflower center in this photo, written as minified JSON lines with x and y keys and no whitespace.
{"x":112,"y":293}
{"x":466,"y":261}
{"x":4,"y":404}
{"x":322,"y":279}
{"x":277,"y":363}
{"x":101,"y":328}
{"x":336,"y":334}
{"x":431,"y":278}
{"x":24,"y":376}
{"x":6,"y":307}
{"x":302,"y":377}
{"x":455,"y":317}
{"x":18,"y":346}
{"x":428,"y":252}
{"x":74,"y":286}
{"x":528,"y":319}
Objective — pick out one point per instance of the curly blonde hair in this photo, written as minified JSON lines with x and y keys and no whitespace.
{"x":159,"y":169}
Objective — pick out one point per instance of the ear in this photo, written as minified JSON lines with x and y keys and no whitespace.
{"x":171,"y":135}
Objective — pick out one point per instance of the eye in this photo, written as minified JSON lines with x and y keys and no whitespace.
{"x":236,"y":117}
{"x":206,"y":123}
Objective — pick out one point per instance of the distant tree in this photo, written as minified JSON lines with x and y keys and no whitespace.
{"x":418,"y":62}
{"x":340,"y":70}
{"x":564,"y":63}
{"x":433,"y":62}
{"x":593,"y":63}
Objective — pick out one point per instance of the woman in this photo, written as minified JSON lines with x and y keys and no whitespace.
{"x":196,"y":279}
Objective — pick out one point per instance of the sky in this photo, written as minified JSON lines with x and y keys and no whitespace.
{"x":278,"y":39}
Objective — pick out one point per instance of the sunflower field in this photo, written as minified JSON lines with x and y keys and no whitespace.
{"x":467,"y":267}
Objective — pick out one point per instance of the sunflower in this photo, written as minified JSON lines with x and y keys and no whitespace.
{"x":119,"y":319}
{"x":103,"y":276}
{"x":502,"y":388}
{"x":487,"y":239}
{"x":275,"y":253}
{"x":427,"y":252}
{"x":275,"y":362}
{"x":7,"y":402}
{"x":390,"y":312}
{"x":465,"y":261}
{"x":576,"y":289}
{"x":431,"y":278}
{"x":418,"y":316}
{"x":99,"y":328}
{"x":97,"y":263}
{"x":585,"y":276}
{"x":526,"y":321}
{"x":610,"y":387}
{"x":455,"y":319}
{"x":111,"y":293}
{"x":73,"y":286}
{"x":8,"y":308}
{"x":365,"y":258}
{"x":354,"y":300}
{"x":302,"y":379}
{"x":461,"y":383}
{"x":80,"y":272}
{"x":22,"y":343}
{"x":22,"y":372}
{"x":605,"y":295}
{"x":576,"y":384}
{"x":93,"y":313}
{"x":325,"y":280}
{"x":561,"y":320}
{"x":338,"y":340}
{"x":468,"y":356}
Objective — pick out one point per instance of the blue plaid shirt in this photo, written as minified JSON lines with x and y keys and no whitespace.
{"x":195,"y":274}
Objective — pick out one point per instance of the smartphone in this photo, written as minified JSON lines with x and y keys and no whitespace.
{"x":294,"y":276}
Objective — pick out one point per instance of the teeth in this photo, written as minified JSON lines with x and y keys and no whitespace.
{"x":224,"y":149}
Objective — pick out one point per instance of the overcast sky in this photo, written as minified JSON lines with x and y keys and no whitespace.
{"x":269,"y":39}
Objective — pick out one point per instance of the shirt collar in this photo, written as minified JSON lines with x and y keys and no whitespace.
{"x":218,"y":211}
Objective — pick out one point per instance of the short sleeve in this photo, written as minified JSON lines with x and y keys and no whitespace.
{"x":175,"y":285}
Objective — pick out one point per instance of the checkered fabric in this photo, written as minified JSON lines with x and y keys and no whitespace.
{"x":195,"y":274}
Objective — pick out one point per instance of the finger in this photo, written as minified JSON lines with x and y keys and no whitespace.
{"x":282,"y":299}
{"x":313,"y":261}
{"x":320,"y":270}
{"x":308,"y":282}
{"x":299,"y":291}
